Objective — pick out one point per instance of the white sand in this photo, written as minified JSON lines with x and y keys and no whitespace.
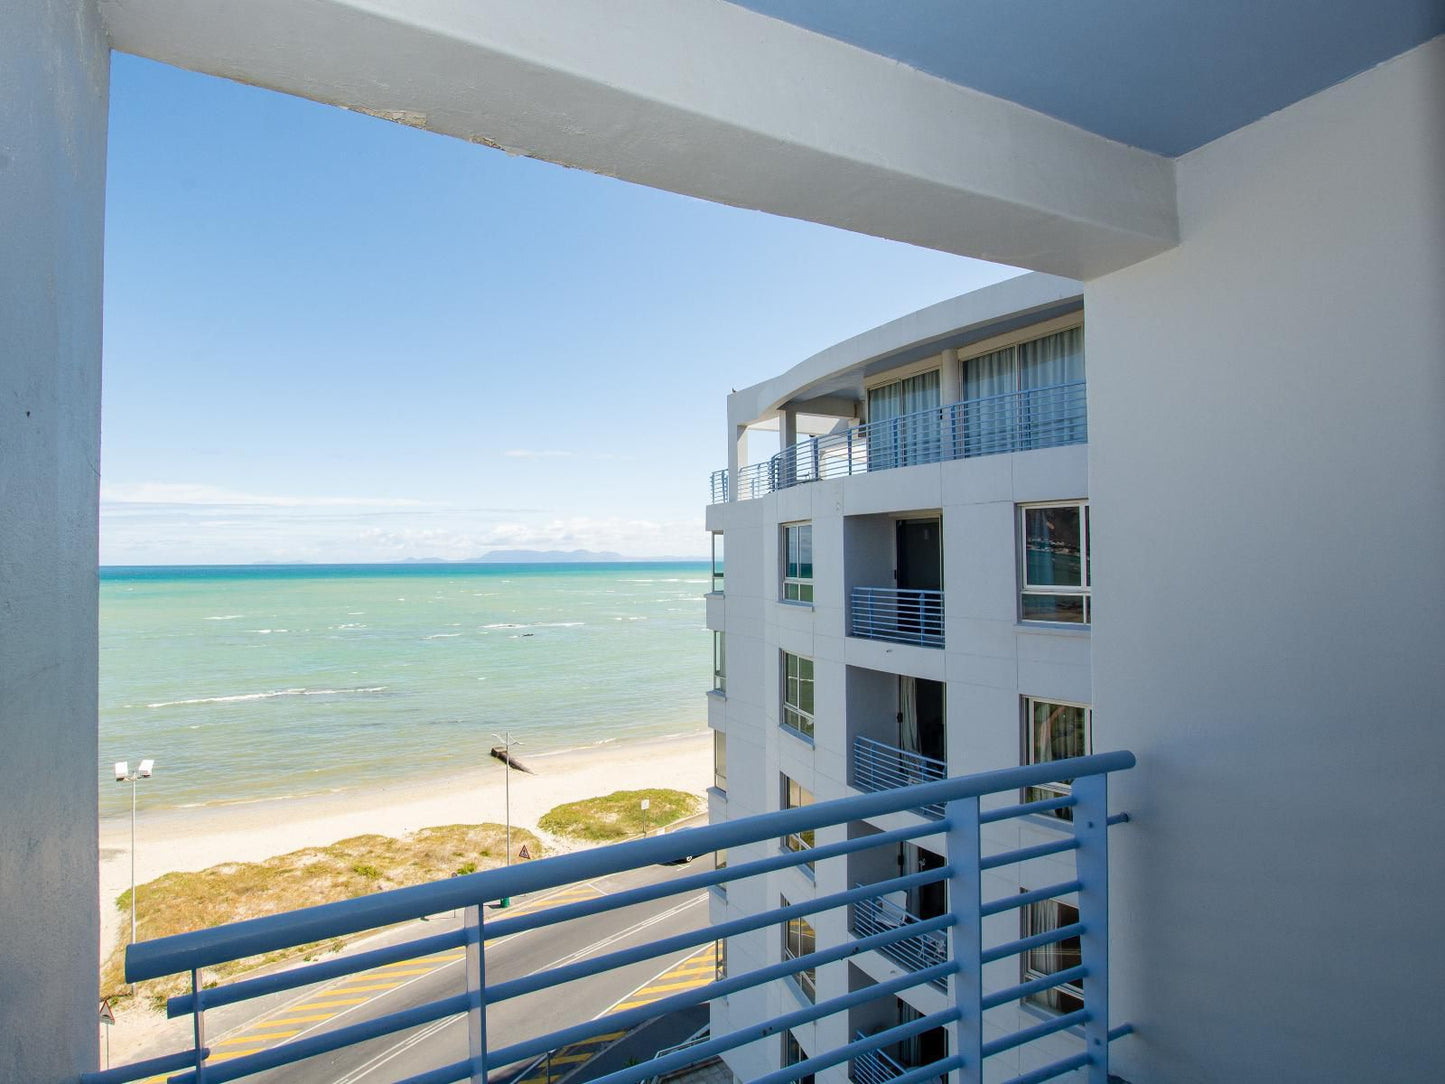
{"x":193,"y":839}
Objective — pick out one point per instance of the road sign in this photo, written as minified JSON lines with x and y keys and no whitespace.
{"x":107,"y":1014}
{"x":524,"y":854}
{"x":646,"y":804}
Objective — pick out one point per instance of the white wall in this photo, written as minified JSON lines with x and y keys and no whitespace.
{"x":1267,"y":423}
{"x":54,"y":73}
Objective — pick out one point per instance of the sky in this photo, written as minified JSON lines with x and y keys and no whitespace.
{"x":332,"y":338}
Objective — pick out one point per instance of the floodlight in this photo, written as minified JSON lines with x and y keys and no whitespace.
{"x":122,"y":769}
{"x":144,"y":771}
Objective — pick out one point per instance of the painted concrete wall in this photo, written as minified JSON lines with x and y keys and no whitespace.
{"x":1267,"y":424}
{"x":54,"y":75}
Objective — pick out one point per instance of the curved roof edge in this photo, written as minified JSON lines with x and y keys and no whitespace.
{"x":841,"y":368}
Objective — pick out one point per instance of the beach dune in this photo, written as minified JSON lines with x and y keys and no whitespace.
{"x":192,"y":839}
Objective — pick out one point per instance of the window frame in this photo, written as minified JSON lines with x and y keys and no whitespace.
{"x":719,"y":662}
{"x":796,"y":841}
{"x":1063,"y":787}
{"x":807,"y":980}
{"x":1049,"y":1000}
{"x":1084,"y":591}
{"x":717,"y":569}
{"x":720,"y":761}
{"x":791,"y":715}
{"x":798,"y":585}
{"x":794,"y":1054}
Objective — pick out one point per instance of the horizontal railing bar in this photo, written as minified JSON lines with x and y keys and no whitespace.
{"x":1120,"y":1031}
{"x":122,"y":1074}
{"x":1034,"y":986}
{"x":1023,"y":944}
{"x":252,"y":937}
{"x":1009,"y":903}
{"x":505,"y":927}
{"x":753,"y":1032}
{"x":1024,"y":854}
{"x":1043,"y":805}
{"x":732,"y":984}
{"x":860,"y":1046}
{"x":244,"y":990}
{"x":1117,"y":818}
{"x":1038,"y":1031}
{"x":300,"y":1049}
{"x":594,"y":965}
{"x":1058,"y":1068}
{"x":447,"y":1074}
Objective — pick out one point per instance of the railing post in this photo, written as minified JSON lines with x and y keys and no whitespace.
{"x":198,"y":1025}
{"x":964,"y":851}
{"x":1091,"y":828}
{"x":476,"y":991}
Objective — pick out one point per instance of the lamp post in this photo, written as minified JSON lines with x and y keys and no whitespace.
{"x":505,"y":737}
{"x":123,"y":774}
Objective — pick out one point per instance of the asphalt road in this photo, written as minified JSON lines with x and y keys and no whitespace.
{"x":397,"y":1056}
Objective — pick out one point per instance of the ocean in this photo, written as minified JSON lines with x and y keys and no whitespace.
{"x":259,"y":682}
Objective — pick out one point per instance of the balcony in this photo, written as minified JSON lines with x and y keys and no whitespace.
{"x":875,"y":1067}
{"x":899,"y":615}
{"x":478,"y":988}
{"x":874,"y":916}
{"x":878,"y":766}
{"x":1013,"y":422}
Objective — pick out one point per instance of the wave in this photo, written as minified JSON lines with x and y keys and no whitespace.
{"x":441,"y":636}
{"x":239,"y":697}
{"x":225,"y":617}
{"x":265,"y":632}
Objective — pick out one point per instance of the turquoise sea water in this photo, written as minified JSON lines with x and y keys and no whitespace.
{"x":258,"y":682}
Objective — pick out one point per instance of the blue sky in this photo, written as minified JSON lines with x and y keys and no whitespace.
{"x":333,"y":338}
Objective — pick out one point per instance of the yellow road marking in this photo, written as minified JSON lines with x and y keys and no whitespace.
{"x":393,"y":970}
{"x":332,"y":1003}
{"x":363,"y":989}
{"x":300,"y":1019}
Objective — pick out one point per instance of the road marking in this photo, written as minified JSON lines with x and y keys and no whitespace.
{"x":258,"y":1037}
{"x":692,"y":971}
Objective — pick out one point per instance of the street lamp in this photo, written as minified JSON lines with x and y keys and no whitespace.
{"x":505,"y":737}
{"x":123,"y":774}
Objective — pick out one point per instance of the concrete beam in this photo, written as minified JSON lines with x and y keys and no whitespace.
{"x":704,"y":98}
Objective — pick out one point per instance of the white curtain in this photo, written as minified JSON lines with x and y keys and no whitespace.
{"x":896,"y":437}
{"x":1052,"y":417}
{"x":908,"y":714}
{"x":988,"y":426}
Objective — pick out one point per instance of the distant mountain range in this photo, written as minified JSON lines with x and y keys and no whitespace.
{"x":548,"y":557}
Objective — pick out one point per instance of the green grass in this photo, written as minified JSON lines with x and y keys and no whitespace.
{"x":619,"y":815}
{"x":179,"y":902}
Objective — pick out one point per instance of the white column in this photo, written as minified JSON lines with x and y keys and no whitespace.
{"x":950,"y":380}
{"x":56,"y":60}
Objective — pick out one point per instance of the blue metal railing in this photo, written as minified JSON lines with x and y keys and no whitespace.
{"x":875,"y":1067}
{"x":191,"y":953}
{"x":900,"y":615}
{"x":880,"y":766}
{"x":874,"y":916}
{"x":1012,"y":422}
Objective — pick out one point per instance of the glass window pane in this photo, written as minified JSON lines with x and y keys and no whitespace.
{"x":1054,"y":359}
{"x":1068,"y":608}
{"x":1058,"y":731}
{"x":1052,"y":553}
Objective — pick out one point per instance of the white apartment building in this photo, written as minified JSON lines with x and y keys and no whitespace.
{"x":905,"y":597}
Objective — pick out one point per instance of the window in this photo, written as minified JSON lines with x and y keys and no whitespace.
{"x":720,"y":663}
{"x":1025,"y":396}
{"x":1056,"y":566}
{"x":717,"y":562}
{"x":1054,"y":731}
{"x":798,"y":695}
{"x":903,"y":422}
{"x":793,"y":1054}
{"x":1048,"y":960}
{"x":798,"y":562}
{"x":720,"y":760}
{"x":795,"y":797}
{"x":722,"y":959}
{"x":798,"y":941}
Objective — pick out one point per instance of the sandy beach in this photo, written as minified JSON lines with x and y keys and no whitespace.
{"x":192,"y":839}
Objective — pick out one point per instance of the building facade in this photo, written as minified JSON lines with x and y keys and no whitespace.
{"x":904,"y":596}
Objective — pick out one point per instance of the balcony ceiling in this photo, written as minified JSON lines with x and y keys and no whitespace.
{"x":1164,"y":77}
